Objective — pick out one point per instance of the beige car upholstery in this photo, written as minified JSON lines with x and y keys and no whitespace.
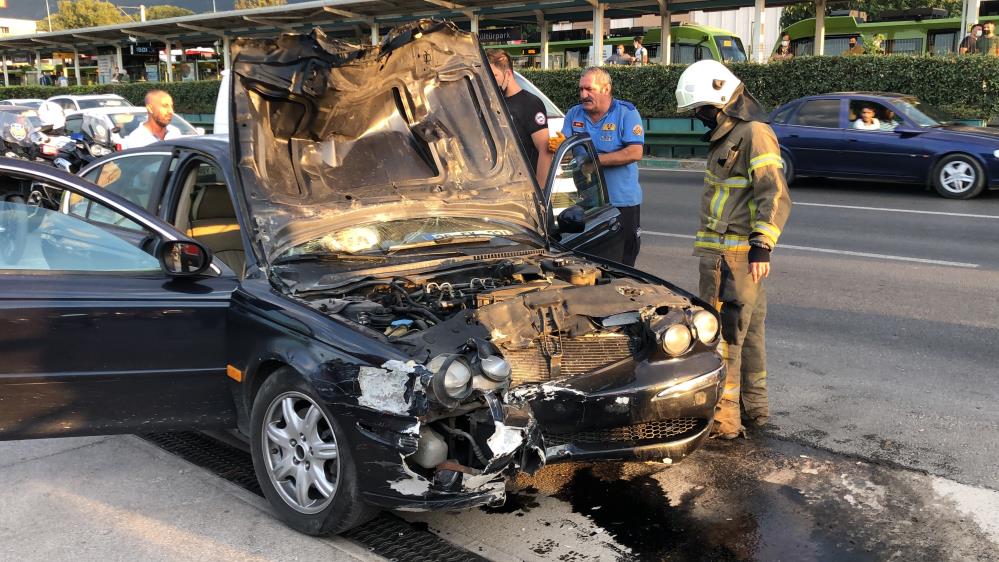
{"x":213,"y":222}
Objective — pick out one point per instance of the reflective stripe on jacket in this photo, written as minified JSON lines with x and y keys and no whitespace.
{"x":745,"y":195}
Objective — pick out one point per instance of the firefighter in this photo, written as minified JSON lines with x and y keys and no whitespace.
{"x":744,"y":207}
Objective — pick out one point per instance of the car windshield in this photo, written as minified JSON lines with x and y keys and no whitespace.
{"x":922,"y":114}
{"x":731,"y":48}
{"x":387,"y":238}
{"x":28,"y":118}
{"x":131,"y":120}
{"x":102,"y":102}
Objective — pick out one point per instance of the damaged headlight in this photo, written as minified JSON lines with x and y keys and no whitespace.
{"x":452,"y":380}
{"x":676,"y":340}
{"x":706,"y":326}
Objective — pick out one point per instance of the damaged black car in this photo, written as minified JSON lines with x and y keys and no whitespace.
{"x":412,"y":318}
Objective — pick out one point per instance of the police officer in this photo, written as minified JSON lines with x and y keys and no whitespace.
{"x":616,"y":130}
{"x":744,"y":207}
{"x":528,"y":112}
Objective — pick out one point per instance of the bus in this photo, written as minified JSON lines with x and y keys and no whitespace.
{"x":690,"y":43}
{"x":931,"y":35}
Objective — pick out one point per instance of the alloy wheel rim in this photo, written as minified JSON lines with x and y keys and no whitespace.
{"x":301,"y":452}
{"x":958,"y":177}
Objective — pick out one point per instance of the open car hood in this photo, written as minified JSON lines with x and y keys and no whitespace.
{"x":330,"y":135}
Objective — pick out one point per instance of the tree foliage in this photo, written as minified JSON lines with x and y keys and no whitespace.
{"x":74,"y":14}
{"x":874,"y":8}
{"x":247,"y":4}
{"x":166,"y":11}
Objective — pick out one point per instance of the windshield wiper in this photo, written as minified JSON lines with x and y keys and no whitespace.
{"x":438,"y":242}
{"x":321,"y":256}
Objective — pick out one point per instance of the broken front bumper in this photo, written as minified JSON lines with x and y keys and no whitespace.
{"x":645,"y":410}
{"x":382,"y":442}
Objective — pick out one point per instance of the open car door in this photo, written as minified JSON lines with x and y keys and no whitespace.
{"x":106,"y":325}
{"x":580,"y":214}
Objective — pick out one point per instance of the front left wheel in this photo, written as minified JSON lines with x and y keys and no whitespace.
{"x":958,"y":176}
{"x":302,"y":460}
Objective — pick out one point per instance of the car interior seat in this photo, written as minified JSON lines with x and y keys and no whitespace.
{"x":213,"y":222}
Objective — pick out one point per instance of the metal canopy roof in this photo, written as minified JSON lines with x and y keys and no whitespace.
{"x":341,"y":17}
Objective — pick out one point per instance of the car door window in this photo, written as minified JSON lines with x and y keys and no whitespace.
{"x":66,"y":104}
{"x":577,"y":181}
{"x":872,"y":116}
{"x":133,"y":177}
{"x":39,"y":239}
{"x":818,"y":113}
{"x":74,"y":124}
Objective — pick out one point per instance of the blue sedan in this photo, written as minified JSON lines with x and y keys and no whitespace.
{"x":885,"y":137}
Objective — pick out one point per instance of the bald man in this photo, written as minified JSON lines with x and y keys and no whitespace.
{"x":159,"y":113}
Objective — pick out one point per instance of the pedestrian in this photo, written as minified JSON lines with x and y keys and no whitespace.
{"x":62,"y":81}
{"x":44,"y":79}
{"x":854,"y":49}
{"x":619,"y":57}
{"x":118,"y":76}
{"x":641,"y":53}
{"x":530,"y":120}
{"x":988,"y":43}
{"x":968,"y":44}
{"x":615,"y":128}
{"x":783,"y":51}
{"x":744,"y":207}
{"x":157,"y":127}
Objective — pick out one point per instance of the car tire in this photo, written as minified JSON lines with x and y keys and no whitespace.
{"x":14,"y":229}
{"x":788,"y":166}
{"x":958,"y":176}
{"x":283,"y":460}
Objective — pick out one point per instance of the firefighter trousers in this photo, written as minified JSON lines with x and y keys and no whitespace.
{"x":742,"y":305}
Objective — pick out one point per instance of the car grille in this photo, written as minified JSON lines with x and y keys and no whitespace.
{"x":579,"y":355}
{"x":657,"y":430}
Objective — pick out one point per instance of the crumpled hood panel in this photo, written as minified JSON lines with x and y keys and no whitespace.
{"x":332,"y":135}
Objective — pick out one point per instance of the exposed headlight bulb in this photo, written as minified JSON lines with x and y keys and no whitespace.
{"x":452,"y":381}
{"x":706,"y":325}
{"x":676,"y":340}
{"x":495,"y":368}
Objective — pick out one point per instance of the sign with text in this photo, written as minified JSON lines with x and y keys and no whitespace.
{"x":501,"y":35}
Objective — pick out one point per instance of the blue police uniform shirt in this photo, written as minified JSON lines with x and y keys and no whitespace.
{"x":620,"y":127}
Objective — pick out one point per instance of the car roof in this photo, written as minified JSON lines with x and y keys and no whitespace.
{"x":107,"y":110}
{"x":87,"y":96}
{"x":12,"y":100}
{"x":17,"y":108}
{"x":216,"y":146}
{"x":888,"y":95}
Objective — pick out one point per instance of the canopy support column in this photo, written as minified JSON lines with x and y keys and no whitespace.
{"x":6,"y":79}
{"x":226,"y":60}
{"x":76,"y":66}
{"x":665,"y":23}
{"x":543,"y":25}
{"x":169,"y":61}
{"x":819,"y":48}
{"x":598,"y":34}
{"x":759,"y":35}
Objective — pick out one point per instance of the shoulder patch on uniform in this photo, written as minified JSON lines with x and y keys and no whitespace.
{"x":577,"y":123}
{"x":637,"y":130}
{"x":610,"y":126}
{"x":626,"y":104}
{"x":540,"y":118}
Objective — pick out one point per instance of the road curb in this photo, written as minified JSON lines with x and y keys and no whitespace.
{"x":697,"y":165}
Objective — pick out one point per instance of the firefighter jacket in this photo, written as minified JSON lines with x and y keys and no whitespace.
{"x":745,"y":194}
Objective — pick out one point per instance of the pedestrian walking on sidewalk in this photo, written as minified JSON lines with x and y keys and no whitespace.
{"x":744,"y":207}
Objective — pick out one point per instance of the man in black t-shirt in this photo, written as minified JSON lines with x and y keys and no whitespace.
{"x":530,"y":120}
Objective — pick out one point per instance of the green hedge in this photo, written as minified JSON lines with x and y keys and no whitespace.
{"x":188,"y":97}
{"x":967,"y":86}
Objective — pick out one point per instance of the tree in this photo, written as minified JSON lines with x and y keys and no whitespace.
{"x":166,"y":11}
{"x":796,"y":12}
{"x":247,"y":4}
{"x":74,"y":14}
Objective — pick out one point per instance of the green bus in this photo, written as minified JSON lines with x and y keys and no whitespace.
{"x":690,"y":43}
{"x":932,"y":35}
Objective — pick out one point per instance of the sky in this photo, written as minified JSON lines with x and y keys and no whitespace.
{"x":35,"y":9}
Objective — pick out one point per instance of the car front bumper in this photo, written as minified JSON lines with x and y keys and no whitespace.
{"x":647,"y":410}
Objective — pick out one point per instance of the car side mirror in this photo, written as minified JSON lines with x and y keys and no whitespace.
{"x":183,"y":258}
{"x":199,"y":130}
{"x":116,"y":129}
{"x":571,"y":220}
{"x":46,"y":128}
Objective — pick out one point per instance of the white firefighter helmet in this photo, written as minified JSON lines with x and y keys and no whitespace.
{"x":51,"y":113}
{"x":706,"y":82}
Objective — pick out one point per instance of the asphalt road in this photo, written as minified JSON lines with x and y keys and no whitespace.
{"x":883,"y":318}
